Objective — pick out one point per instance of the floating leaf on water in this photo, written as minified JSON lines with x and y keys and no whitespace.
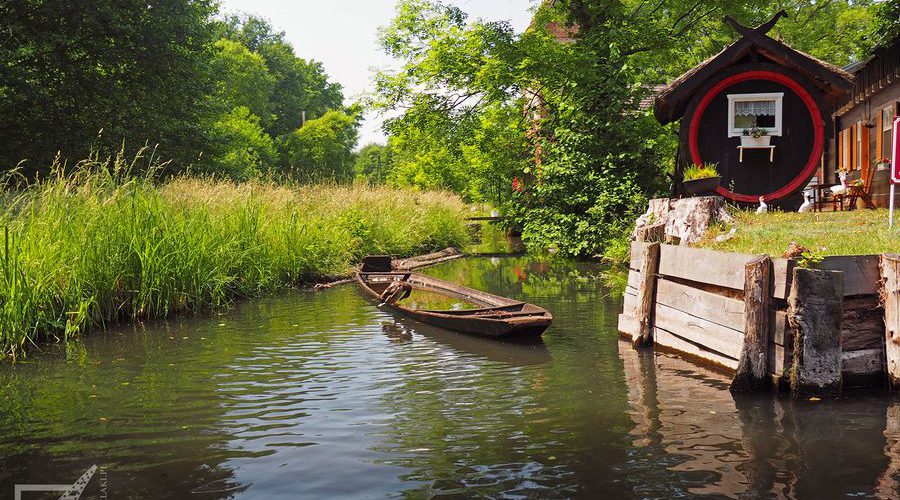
{"x":815,"y":399}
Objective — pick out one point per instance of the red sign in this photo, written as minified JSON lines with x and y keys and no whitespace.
{"x":895,"y":152}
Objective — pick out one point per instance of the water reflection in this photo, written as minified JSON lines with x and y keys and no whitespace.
{"x":687,"y":423}
{"x":521,"y":352}
{"x":324,"y":395}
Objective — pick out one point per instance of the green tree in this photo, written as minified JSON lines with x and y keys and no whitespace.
{"x":322,"y":148}
{"x":136,"y":70}
{"x":300,"y":86}
{"x":242,"y":149}
{"x":242,"y":79}
{"x":373,"y":163}
{"x":887,"y":22}
{"x":496,"y":154}
{"x":600,"y":155}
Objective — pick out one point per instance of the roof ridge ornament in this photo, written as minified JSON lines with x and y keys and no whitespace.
{"x":762,"y":29}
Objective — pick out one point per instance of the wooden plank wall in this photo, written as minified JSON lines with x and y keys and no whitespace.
{"x":700,"y":311}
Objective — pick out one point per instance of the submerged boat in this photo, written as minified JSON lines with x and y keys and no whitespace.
{"x":489,"y":315}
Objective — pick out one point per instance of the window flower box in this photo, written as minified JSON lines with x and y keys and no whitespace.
{"x":750,"y":141}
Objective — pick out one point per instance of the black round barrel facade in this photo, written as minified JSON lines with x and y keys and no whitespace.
{"x":775,"y":173}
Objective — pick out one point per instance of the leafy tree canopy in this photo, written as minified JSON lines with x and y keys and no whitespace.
{"x":241,"y":148}
{"x":322,"y":148}
{"x":463,"y":84}
{"x":300,"y":86}
{"x":138,"y":71}
{"x":242,"y":79}
{"x":373,"y":163}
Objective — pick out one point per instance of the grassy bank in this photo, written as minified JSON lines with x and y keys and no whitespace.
{"x":828,"y":233}
{"x":81,"y":251}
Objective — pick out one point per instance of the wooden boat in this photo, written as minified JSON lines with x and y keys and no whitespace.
{"x":494,"y":316}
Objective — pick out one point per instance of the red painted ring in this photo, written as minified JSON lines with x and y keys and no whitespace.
{"x":818,"y":126}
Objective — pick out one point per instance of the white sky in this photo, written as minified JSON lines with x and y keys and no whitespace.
{"x":342,"y":34}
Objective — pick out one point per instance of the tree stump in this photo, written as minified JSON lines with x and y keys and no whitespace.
{"x":815,"y":314}
{"x":691,"y":217}
{"x":753,"y":368}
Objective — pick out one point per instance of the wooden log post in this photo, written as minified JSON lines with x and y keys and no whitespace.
{"x":890,"y":274}
{"x":815,"y":313}
{"x":753,"y":368}
{"x":646,"y":295}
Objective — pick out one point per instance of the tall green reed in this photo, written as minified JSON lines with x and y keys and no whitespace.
{"x":98,"y":244}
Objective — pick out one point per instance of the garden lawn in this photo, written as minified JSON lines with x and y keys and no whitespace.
{"x":858,"y":232}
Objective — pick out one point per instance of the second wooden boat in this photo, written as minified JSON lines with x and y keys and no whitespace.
{"x":491,"y":315}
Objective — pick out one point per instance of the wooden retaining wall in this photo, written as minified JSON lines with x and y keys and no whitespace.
{"x":697,"y":308}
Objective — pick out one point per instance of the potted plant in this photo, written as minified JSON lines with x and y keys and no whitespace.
{"x":701,"y":179}
{"x":755,"y":136}
{"x":883,"y":164}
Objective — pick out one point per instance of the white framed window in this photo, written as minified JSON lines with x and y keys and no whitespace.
{"x":887,"y":118}
{"x":762,"y":111}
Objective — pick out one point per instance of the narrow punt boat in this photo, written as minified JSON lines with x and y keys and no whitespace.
{"x":490,"y":315}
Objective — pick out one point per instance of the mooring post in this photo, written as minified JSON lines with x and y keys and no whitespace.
{"x":753,"y":367}
{"x":815,"y":313}
{"x":890,"y":273}
{"x":646,"y":295}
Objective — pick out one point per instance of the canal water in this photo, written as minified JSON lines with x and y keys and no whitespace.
{"x":324,"y":395}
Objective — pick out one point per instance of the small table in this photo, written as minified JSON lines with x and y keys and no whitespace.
{"x":742,"y":148}
{"x":820,"y":196}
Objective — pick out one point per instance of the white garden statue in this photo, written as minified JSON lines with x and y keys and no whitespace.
{"x":807,"y":203}
{"x":842,"y":187}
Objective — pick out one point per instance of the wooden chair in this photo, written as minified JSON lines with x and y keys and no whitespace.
{"x":863,"y":192}
{"x":827,"y":195}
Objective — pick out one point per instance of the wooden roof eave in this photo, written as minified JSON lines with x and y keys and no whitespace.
{"x":671,"y":103}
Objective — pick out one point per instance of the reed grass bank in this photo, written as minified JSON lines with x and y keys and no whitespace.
{"x":91,"y":248}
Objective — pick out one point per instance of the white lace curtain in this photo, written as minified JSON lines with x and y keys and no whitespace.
{"x":754,"y":108}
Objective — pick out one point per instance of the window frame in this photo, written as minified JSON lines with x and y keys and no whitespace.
{"x":845,"y":150}
{"x":778,"y":97}
{"x":887,"y":124}
{"x":858,"y":137}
